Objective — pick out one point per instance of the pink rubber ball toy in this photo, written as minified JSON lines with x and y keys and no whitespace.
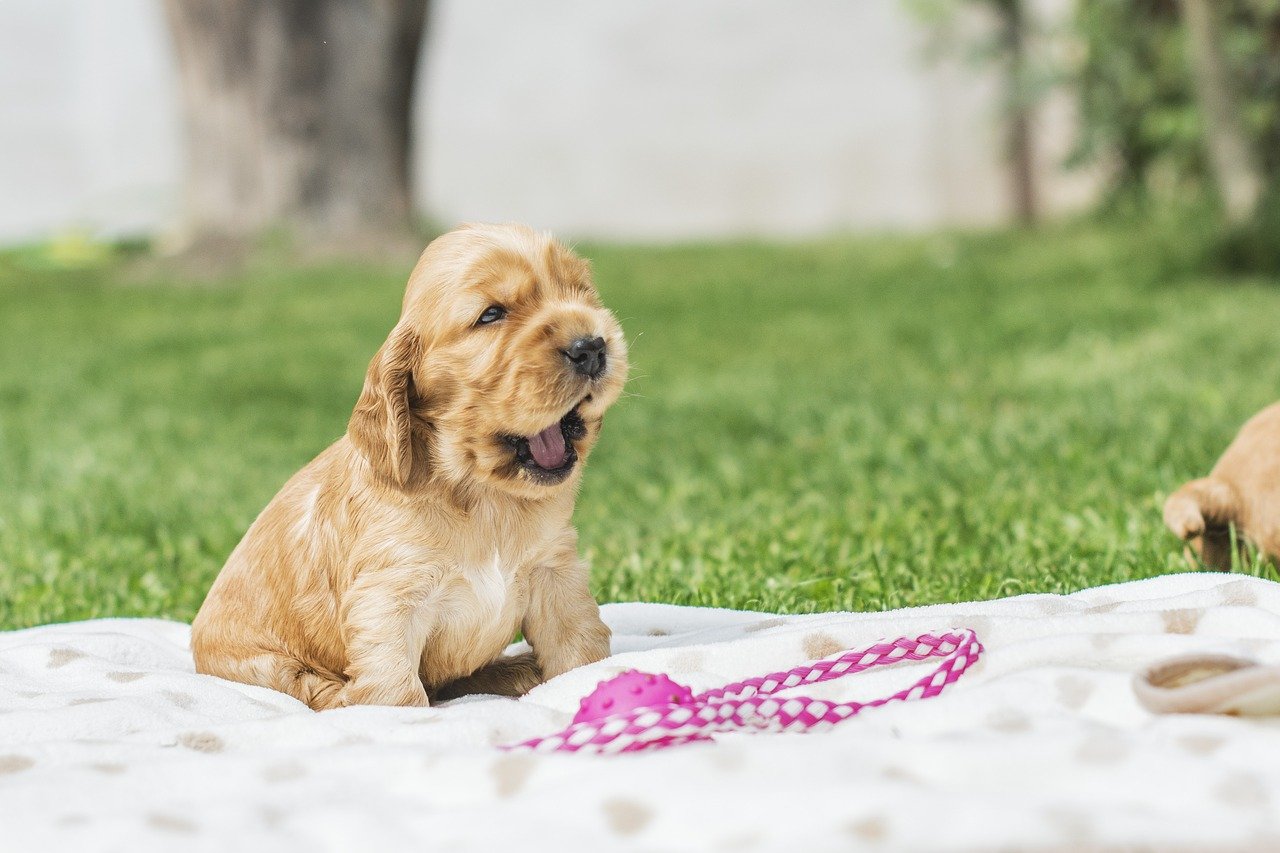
{"x":631,"y":690}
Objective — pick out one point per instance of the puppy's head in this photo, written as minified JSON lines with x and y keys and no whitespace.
{"x":499,"y":371}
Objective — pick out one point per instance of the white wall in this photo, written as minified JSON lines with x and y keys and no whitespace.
{"x":626,"y":118}
{"x":88,"y":128}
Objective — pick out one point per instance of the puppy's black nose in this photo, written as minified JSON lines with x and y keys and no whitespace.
{"x":587,"y":356}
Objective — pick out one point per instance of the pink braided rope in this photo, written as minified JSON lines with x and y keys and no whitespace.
{"x":748,"y":705}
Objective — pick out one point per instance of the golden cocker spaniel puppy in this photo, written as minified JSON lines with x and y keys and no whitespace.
{"x":400,"y":562}
{"x":1243,"y":489}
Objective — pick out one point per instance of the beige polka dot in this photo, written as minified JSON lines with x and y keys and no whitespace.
{"x":1181,"y":621}
{"x":1104,"y":607}
{"x":1102,"y":748}
{"x":980,"y":625}
{"x":125,"y":677}
{"x":1073,"y":691}
{"x":1252,"y":646}
{"x":1009,"y":720}
{"x":88,"y":700}
{"x":71,"y":820}
{"x":62,"y":657}
{"x":874,"y":828}
{"x":511,"y":771}
{"x":170,"y":823}
{"x":15,"y":763}
{"x":687,"y":661}
{"x":266,"y":706}
{"x":284,"y":772}
{"x":894,"y":773}
{"x":182,"y":700}
{"x":657,"y":632}
{"x":1074,"y":825}
{"x":201,"y":741}
{"x":1102,"y":642}
{"x":820,"y":645}
{"x":1242,"y":790}
{"x":1201,"y":744}
{"x":1239,"y":594}
{"x":1052,"y":605}
{"x":764,"y":625}
{"x":108,"y":768}
{"x":626,"y":817}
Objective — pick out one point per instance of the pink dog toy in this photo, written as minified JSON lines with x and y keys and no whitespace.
{"x":630,"y":690}
{"x":637,"y":710}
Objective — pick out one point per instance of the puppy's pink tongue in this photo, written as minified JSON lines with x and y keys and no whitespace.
{"x":547,"y":447}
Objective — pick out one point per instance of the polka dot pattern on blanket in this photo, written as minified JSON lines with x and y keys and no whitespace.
{"x":109,"y":740}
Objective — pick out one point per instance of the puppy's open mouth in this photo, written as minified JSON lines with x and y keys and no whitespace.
{"x":549,"y":455}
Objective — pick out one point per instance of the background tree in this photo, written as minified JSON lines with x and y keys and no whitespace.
{"x":1019,"y":105}
{"x":1136,"y":115}
{"x":297,"y":116}
{"x":1147,"y":73}
{"x":1230,"y":152}
{"x":1180,"y":102}
{"x":1002,"y":39}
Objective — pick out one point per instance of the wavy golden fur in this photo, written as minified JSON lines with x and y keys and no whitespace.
{"x":401,"y":561}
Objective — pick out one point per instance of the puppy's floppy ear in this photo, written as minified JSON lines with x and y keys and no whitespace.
{"x":381,"y":426}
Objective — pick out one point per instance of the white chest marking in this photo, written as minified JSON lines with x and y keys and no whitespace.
{"x":488,"y":585}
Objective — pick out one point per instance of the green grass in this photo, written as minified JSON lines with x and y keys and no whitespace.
{"x":852,"y":424}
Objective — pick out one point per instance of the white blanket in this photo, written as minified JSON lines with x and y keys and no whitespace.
{"x":108,"y":741}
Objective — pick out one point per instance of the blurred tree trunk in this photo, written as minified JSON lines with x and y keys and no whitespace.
{"x":1234,"y":167}
{"x":1020,"y":138}
{"x":297,"y":116}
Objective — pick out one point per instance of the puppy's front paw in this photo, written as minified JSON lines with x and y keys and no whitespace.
{"x":1182,"y":515}
{"x":364,"y":692}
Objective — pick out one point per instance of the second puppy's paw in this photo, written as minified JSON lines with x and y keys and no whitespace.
{"x":1182,"y":515}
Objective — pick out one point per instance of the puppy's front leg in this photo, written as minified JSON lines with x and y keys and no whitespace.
{"x":563,"y":620}
{"x":385,"y":627}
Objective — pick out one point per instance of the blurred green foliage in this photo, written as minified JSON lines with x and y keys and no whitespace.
{"x":1126,"y":64}
{"x":1137,"y":102}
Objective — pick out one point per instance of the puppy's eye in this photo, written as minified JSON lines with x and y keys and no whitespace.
{"x":492,"y":314}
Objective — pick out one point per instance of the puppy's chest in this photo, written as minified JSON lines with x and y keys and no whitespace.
{"x":473,"y":618}
{"x":488,"y":586}
{"x":482,"y":594}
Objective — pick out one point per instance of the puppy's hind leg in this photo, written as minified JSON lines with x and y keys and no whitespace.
{"x":513,"y":675}
{"x":317,"y":688}
{"x":1205,"y":509}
